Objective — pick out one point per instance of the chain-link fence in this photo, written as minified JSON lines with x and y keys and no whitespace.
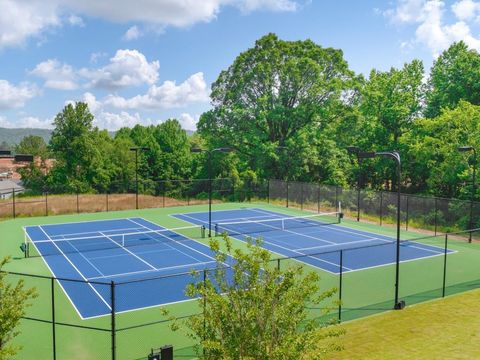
{"x":420,"y":214}
{"x":51,"y":329}
{"x":124,"y":196}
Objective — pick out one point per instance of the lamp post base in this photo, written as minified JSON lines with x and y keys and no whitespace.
{"x":399,"y":305}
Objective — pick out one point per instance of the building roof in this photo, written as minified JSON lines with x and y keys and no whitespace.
{"x":6,"y":186}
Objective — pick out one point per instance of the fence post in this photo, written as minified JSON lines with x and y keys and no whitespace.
{"x":336,"y":197}
{"x":301,"y":196}
{"x":358,"y":204}
{"x":318,"y":199}
{"x":113,"y":329}
{"x":13,"y":203}
{"x":106,"y":199}
{"x":436,"y":211}
{"x":340,"y":288}
{"x":278,"y":264}
{"x":381,"y":207}
{"x":46,"y":202}
{"x":268,"y":191}
{"x":287,"y":193}
{"x":54,"y":338}
{"x":406,"y":219}
{"x":163,"y":193}
{"x":445,"y":265}
{"x":204,"y":304}
{"x":78,"y":202}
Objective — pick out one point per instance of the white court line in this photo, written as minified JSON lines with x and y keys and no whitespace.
{"x":94,"y":232}
{"x":81,"y":254}
{"x":149,"y":271}
{"x":138,"y":253}
{"x":79,"y":272}
{"x":288,"y":249}
{"x":131,"y":253}
{"x":170,"y":239}
{"x":340,"y":244}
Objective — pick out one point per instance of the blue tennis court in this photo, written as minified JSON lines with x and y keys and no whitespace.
{"x":314,"y":239}
{"x":128,"y":252}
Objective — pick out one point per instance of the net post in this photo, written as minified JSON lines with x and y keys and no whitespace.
{"x":340,"y":283}
{"x":54,"y":337}
{"x":26,"y":245}
{"x":13,"y":203}
{"x":113,"y":325}
{"x":445,"y":265}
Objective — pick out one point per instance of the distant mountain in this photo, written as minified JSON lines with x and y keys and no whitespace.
{"x":14,"y":136}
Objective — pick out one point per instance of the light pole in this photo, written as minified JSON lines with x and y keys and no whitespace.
{"x":210,"y":152}
{"x":395,"y":155}
{"x":474,"y":190}
{"x":354,"y":150}
{"x":137,"y":149}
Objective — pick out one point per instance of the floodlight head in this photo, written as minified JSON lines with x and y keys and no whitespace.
{"x":141,"y":148}
{"x":196,"y":150}
{"x":465,"y":148}
{"x":366,"y":154}
{"x":353,"y":150}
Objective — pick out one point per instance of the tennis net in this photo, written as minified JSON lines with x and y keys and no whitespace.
{"x":286,"y":223}
{"x":110,"y":240}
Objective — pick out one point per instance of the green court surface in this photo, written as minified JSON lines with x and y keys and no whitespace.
{"x":364,"y":292}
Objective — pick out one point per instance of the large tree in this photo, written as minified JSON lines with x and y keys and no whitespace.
{"x":273,"y":91}
{"x":454,"y":76}
{"x":33,"y":145}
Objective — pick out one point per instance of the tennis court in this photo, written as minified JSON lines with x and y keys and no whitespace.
{"x":125,"y":251}
{"x":313,"y":239}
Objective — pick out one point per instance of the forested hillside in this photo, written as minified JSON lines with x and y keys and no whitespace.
{"x":289,"y":109}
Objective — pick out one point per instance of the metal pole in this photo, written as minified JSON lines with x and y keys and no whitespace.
{"x":13,"y":203}
{"x":113,"y":329}
{"x":204,"y":303}
{"x":287,"y":192}
{"x":54,"y":337}
{"x":318,"y":199}
{"x":46,"y":202}
{"x":340,"y":288}
{"x":301,"y":196}
{"x":436,"y":212}
{"x":473,"y":192}
{"x":136,"y":179}
{"x":406,"y":219}
{"x":358,"y":189}
{"x":381,"y":207}
{"x":397,"y":267}
{"x":445,"y":265}
{"x":78,"y":204}
{"x":210,"y":194}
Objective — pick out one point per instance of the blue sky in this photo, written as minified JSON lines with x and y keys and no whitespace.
{"x":145,"y":61}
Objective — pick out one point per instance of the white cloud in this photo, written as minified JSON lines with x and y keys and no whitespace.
{"x":75,"y":20}
{"x":20,"y":20}
{"x":97,"y":55}
{"x":188,"y":121}
{"x":466,"y":10}
{"x":432,"y":30}
{"x":167,"y":95}
{"x":126,"y":68}
{"x":12,"y":96}
{"x":27,"y":122}
{"x":56,"y":75}
{"x":132,"y":33}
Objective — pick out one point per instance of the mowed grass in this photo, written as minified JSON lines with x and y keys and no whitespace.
{"x":440,"y":329}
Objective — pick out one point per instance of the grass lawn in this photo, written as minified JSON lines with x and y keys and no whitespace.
{"x":440,"y":329}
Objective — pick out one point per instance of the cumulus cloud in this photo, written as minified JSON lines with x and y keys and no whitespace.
{"x":27,"y":122}
{"x":126,"y":68}
{"x":167,"y":95}
{"x":12,"y":96}
{"x":33,"y":17}
{"x":188,"y":121}
{"x":132,"y":33}
{"x":432,"y":29}
{"x":56,"y":75}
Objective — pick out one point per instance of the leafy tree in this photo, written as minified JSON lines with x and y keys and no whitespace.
{"x":14,"y":299}
{"x":436,"y":165}
{"x":255,"y":311}
{"x":33,"y":145}
{"x":273,"y":91}
{"x":454,"y":76}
